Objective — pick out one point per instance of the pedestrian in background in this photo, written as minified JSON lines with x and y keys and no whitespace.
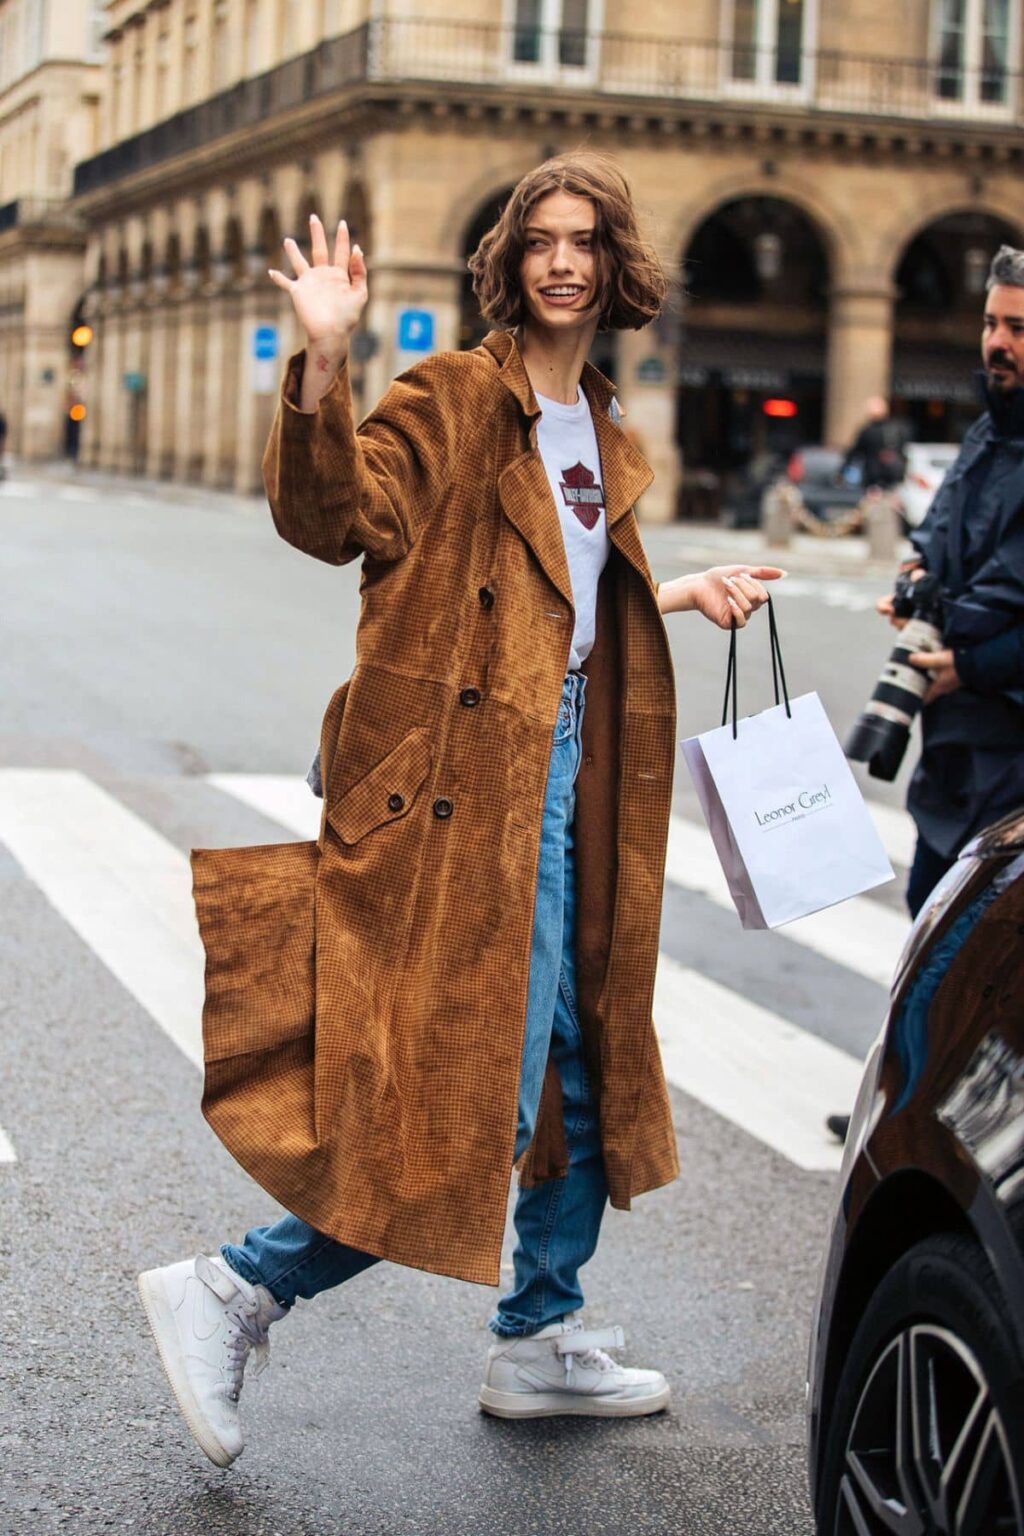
{"x":497,"y":777}
{"x":879,"y":451}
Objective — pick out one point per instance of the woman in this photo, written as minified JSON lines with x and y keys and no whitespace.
{"x":486,"y":888}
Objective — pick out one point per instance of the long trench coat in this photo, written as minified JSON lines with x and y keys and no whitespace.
{"x":366,"y":993}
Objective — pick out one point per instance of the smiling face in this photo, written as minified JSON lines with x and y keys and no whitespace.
{"x":1002,"y":338}
{"x":558,"y":272}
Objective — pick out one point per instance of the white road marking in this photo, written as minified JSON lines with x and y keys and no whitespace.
{"x":897,"y":831}
{"x":77,"y":493}
{"x":123,"y":888}
{"x":19,"y":489}
{"x":281,"y":797}
{"x":126,"y":892}
{"x":859,"y":934}
{"x":7,"y":1152}
{"x":769,"y":1077}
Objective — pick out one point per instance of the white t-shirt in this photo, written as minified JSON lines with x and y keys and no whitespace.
{"x":568,"y":447}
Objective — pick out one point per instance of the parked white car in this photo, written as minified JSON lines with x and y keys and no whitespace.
{"x":926,"y":468}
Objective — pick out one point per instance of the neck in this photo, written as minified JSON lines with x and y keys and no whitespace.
{"x":554,"y":359}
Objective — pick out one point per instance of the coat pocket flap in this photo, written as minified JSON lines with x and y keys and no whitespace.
{"x":384,"y":794}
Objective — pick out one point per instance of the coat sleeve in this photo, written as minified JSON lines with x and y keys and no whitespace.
{"x":993,"y":666}
{"x":336,"y":491}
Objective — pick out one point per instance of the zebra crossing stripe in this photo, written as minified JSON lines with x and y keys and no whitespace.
{"x":7,"y":1152}
{"x":121,"y":887}
{"x":859,"y":934}
{"x":126,"y":892}
{"x":769,"y":1077}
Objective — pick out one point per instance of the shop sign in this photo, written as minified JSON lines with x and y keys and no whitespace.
{"x":650,"y":370}
{"x":416,"y":330}
{"x":134,"y":383}
{"x":770,"y":379}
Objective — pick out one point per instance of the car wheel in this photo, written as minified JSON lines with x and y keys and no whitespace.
{"x":927,"y":1431}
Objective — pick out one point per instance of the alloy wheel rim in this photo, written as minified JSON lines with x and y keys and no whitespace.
{"x":927,"y":1452}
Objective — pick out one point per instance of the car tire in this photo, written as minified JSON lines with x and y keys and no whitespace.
{"x":927,"y":1427}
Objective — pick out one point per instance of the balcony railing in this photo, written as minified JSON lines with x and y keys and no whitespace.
{"x":51,"y":211}
{"x":609,"y":64}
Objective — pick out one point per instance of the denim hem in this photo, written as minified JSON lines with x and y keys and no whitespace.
{"x":241,"y":1266}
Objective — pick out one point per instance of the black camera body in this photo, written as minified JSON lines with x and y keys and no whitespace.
{"x":880,"y":735}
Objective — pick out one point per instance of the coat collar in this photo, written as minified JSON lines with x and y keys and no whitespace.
{"x":624,"y":470}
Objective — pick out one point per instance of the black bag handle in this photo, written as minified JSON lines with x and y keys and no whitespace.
{"x":778,"y":670}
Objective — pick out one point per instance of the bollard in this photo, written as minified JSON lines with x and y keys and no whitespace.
{"x":776,"y":519}
{"x":882,"y":524}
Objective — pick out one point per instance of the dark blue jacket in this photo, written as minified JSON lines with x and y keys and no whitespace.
{"x":972,"y":763}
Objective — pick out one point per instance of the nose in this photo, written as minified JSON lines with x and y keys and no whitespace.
{"x":561,"y":257}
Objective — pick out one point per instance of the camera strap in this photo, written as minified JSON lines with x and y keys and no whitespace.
{"x":778,"y":671}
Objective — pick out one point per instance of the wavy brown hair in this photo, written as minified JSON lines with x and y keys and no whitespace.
{"x":631,"y":284}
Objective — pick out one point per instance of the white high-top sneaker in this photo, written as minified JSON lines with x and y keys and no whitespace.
{"x":205,"y":1320}
{"x":564,"y":1369}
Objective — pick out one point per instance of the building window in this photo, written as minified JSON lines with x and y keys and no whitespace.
{"x":253,"y":18}
{"x":972,"y":50}
{"x":769,"y":41}
{"x":163,"y":67}
{"x":221,"y":46}
{"x":552,"y":33}
{"x":190,"y":71}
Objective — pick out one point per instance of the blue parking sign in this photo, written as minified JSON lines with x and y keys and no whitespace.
{"x":264,"y":343}
{"x":416,"y":330}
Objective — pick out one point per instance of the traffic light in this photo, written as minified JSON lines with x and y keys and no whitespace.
{"x":81,"y":336}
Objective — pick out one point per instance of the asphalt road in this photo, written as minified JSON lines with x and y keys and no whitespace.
{"x":151,"y":639}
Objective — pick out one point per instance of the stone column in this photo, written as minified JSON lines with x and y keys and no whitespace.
{"x":184,"y":381}
{"x":859,"y":356}
{"x":160,"y":416}
{"x":108,"y":403}
{"x":220,"y":370}
{"x":134,"y":359}
{"x":646,"y":378}
{"x":255,"y":405}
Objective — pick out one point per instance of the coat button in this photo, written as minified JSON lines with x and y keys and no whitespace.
{"x":443,"y":808}
{"x":395,"y":803}
{"x":486,"y":597}
{"x":469,"y":697}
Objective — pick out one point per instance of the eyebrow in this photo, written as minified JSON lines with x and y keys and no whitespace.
{"x":1009,"y":319}
{"x":541,"y":229}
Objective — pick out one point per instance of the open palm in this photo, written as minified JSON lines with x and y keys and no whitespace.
{"x":328,"y":296}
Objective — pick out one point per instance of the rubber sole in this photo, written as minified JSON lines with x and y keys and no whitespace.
{"x":548,"y":1405}
{"x":165,"y":1334}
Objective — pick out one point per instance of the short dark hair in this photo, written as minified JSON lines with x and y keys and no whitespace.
{"x":631,"y":282}
{"x":1007,"y":268}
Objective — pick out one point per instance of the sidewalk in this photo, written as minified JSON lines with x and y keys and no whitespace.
{"x":692,"y":546}
{"x":695,"y":545}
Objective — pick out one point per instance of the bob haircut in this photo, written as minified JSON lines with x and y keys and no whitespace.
{"x":631,"y":284}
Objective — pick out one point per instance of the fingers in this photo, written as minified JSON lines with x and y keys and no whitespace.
{"x":735,"y":612}
{"x":357,"y":269}
{"x":884,"y":604}
{"x":746,"y":592}
{"x":342,"y":252}
{"x":280,"y":280}
{"x":295,"y":256}
{"x":318,"y":241}
{"x":766,"y":572}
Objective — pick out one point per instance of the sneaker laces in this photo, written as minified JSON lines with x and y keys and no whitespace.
{"x":588,"y":1347}
{"x":248,"y":1332}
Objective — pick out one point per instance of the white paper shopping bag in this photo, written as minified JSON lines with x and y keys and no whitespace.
{"x":788,"y":820}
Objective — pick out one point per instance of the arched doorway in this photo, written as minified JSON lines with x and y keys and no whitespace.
{"x":940,"y":300}
{"x":752,"y":344}
{"x":472,"y":325}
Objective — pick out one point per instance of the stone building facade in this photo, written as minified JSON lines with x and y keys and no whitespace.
{"x":50,"y":69}
{"x":825,"y":180}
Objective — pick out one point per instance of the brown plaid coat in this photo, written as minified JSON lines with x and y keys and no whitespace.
{"x":366,"y":994}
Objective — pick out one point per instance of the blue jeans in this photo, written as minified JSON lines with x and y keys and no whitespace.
{"x":557,"y":1223}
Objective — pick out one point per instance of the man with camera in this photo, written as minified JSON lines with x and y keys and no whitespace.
{"x":967,"y":581}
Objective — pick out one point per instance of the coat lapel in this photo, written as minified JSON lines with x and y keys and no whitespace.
{"x":523,"y":485}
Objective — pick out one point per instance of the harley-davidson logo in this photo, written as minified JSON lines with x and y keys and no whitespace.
{"x":583,"y":493}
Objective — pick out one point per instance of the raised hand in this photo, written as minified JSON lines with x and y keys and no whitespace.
{"x":329,"y":296}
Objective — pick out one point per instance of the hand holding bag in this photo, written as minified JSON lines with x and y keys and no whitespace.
{"x":789,"y":823}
